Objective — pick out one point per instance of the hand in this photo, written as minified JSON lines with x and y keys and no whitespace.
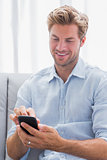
{"x":46,"y":138}
{"x":22,"y":111}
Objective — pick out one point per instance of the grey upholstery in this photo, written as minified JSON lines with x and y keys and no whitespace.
{"x":9,"y":85}
{"x":3,"y":114}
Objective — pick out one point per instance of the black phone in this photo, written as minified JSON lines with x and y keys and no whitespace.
{"x":29,"y":120}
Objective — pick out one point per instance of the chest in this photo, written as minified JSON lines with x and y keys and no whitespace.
{"x":57,"y":103}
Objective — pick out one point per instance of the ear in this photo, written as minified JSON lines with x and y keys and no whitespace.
{"x":83,"y":41}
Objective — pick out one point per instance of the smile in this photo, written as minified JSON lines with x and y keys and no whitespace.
{"x":61,"y":54}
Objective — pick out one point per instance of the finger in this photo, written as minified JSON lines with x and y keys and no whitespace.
{"x":13,"y":117}
{"x":25,"y":138}
{"x":30,"y":129}
{"x":38,"y":121}
{"x":22,"y":135}
{"x":16,"y":111}
{"x":22,"y":110}
{"x":31,"y":112}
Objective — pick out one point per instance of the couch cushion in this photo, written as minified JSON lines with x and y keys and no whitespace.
{"x":14,"y":82}
{"x":3,"y":113}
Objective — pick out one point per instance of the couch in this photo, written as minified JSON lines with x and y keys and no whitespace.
{"x":9,"y":85}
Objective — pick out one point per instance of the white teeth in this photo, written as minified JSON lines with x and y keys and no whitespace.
{"x":61,"y":54}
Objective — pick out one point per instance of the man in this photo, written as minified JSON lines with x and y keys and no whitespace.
{"x":69,"y":99}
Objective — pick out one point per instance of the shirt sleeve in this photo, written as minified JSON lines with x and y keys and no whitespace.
{"x":24,"y":95}
{"x":99,"y":116}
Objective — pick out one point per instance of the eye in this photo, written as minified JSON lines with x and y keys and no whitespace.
{"x":69,"y":41}
{"x":55,"y":39}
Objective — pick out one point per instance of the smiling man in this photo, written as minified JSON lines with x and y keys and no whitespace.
{"x":69,"y":99}
{"x":65,"y":44}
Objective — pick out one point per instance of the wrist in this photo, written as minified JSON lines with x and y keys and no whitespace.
{"x":61,"y":145}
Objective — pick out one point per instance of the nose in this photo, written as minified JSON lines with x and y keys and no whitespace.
{"x":61,"y":46}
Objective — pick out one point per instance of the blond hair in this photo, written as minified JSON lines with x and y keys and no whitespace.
{"x":66,"y":15}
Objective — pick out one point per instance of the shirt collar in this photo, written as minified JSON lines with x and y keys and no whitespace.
{"x":78,"y":71}
{"x":53,"y":73}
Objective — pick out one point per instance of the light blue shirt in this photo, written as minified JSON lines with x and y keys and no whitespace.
{"x":77,"y":109}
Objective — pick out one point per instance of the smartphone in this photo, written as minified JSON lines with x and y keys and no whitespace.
{"x":29,"y":120}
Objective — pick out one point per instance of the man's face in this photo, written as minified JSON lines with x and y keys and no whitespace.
{"x":64,"y":44}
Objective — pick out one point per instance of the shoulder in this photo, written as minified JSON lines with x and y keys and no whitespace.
{"x":41,"y":76}
{"x":36,"y":79}
{"x":44,"y":73}
{"x":95,"y":72}
{"x":95,"y":75}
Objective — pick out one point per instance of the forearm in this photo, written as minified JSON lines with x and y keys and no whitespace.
{"x":15,"y":147}
{"x":95,"y":149}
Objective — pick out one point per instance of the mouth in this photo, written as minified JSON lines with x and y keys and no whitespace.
{"x":61,"y":54}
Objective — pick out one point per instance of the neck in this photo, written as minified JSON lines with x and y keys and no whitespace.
{"x":64,"y":71}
